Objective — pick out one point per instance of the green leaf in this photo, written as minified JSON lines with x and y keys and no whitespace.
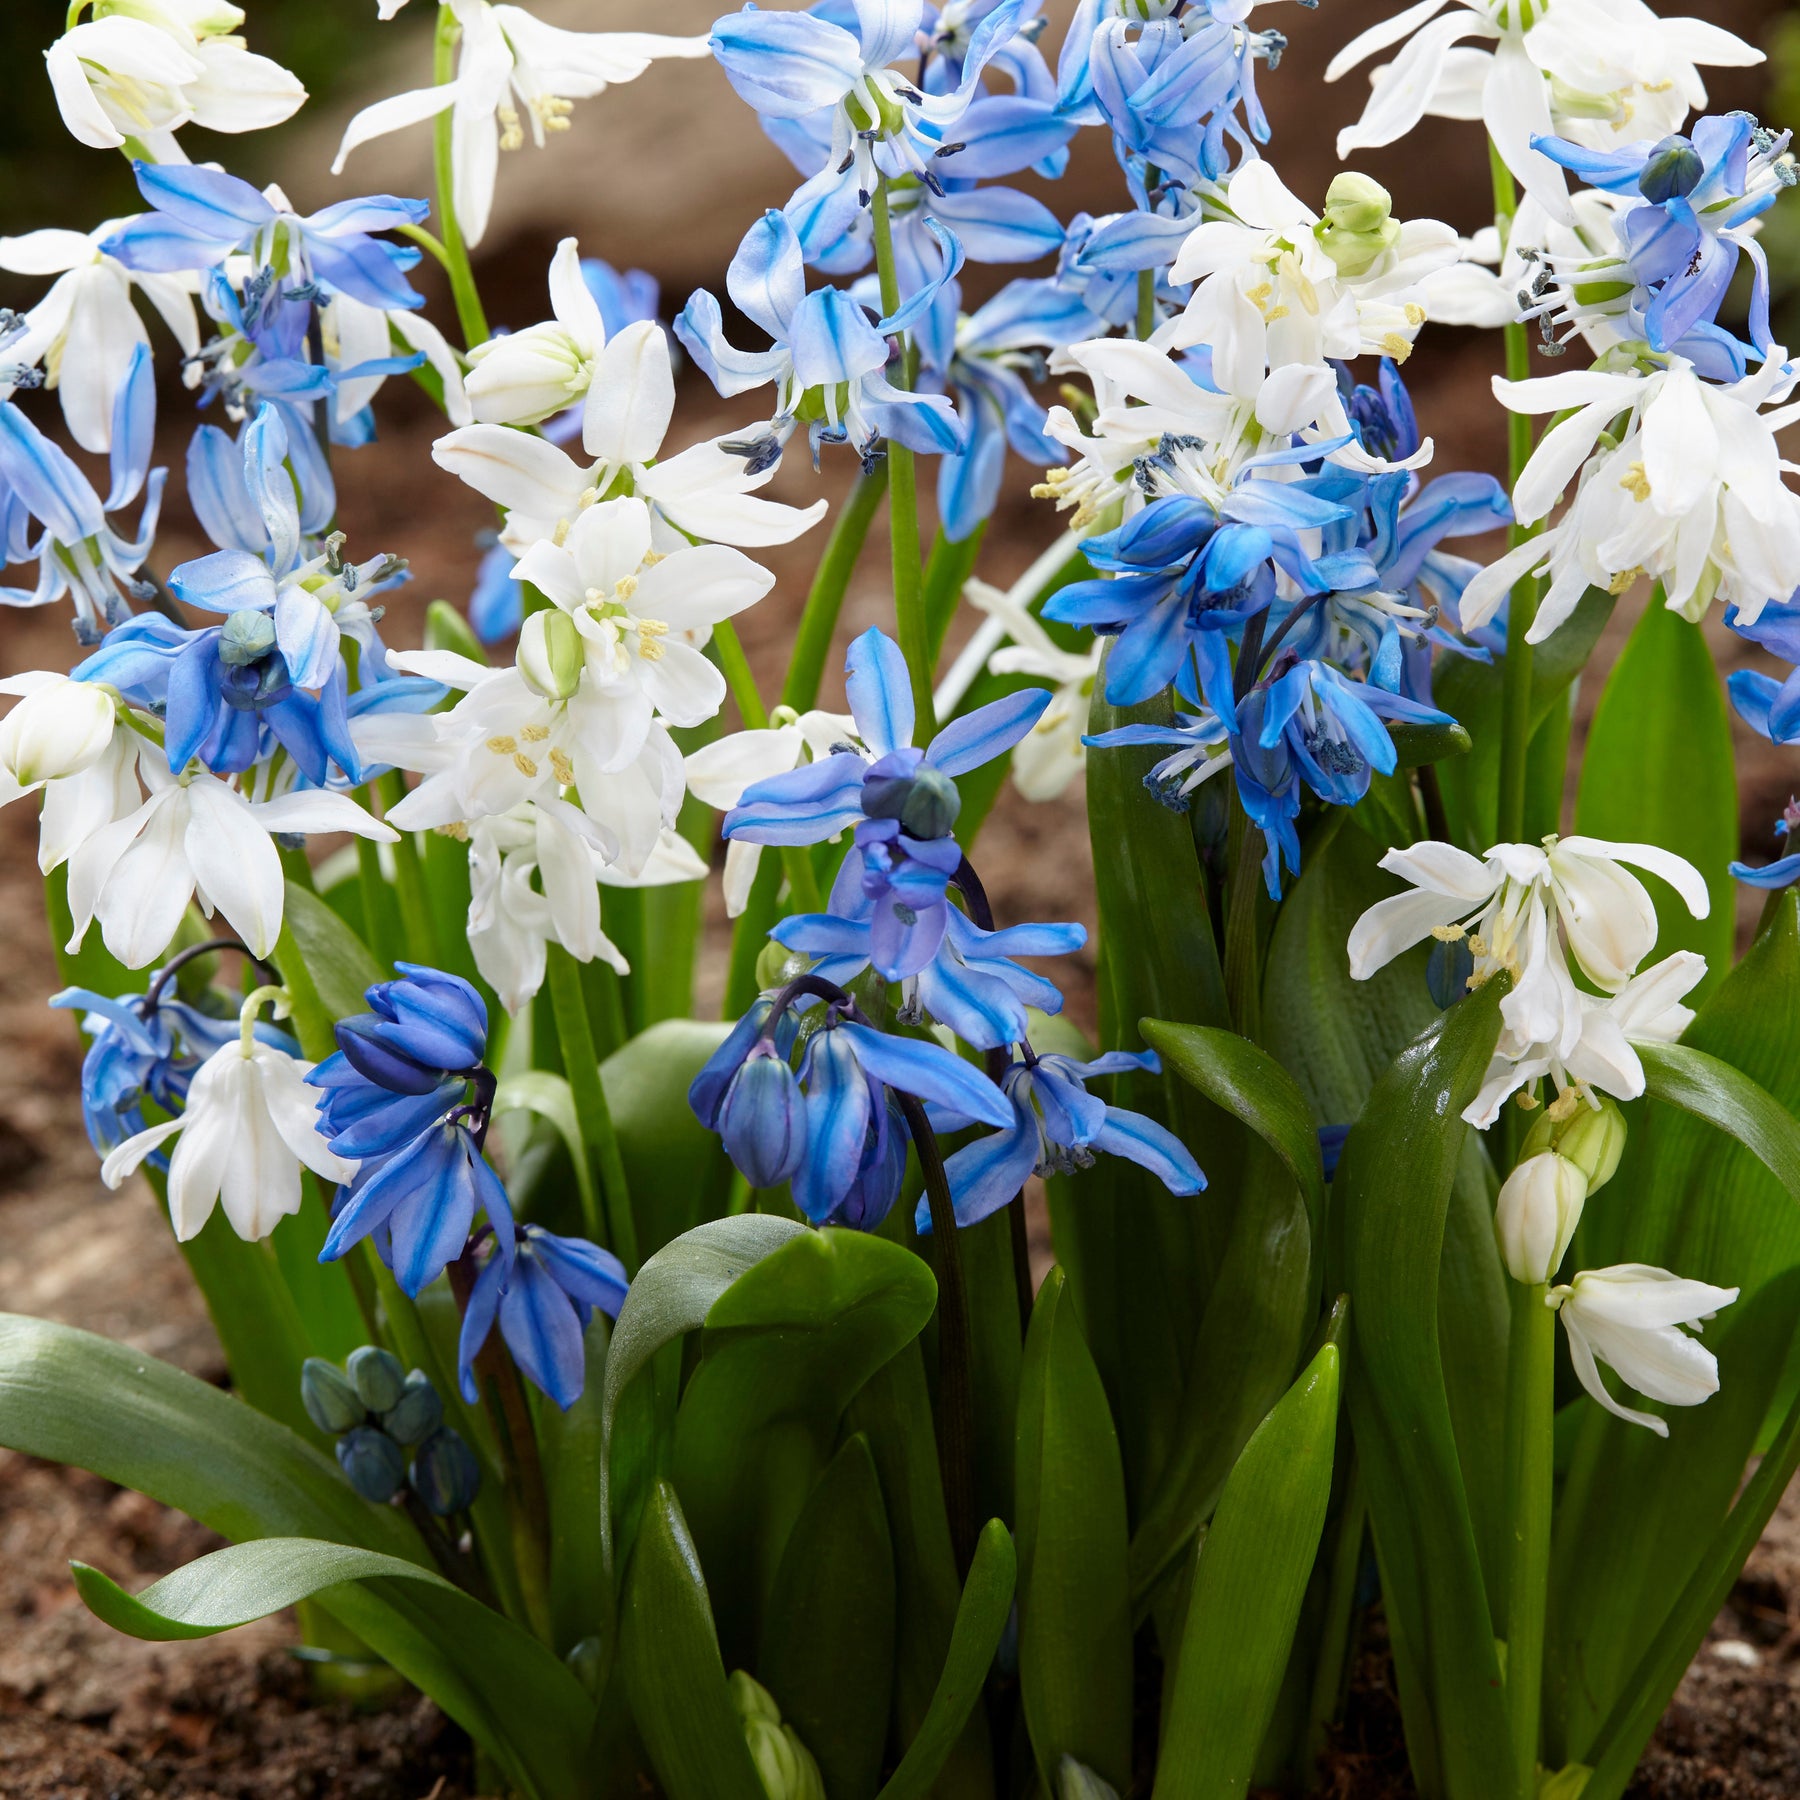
{"x":787,"y":1345}
{"x":549,"y":1097}
{"x":828,"y":1643}
{"x":1390,"y":1202}
{"x":1416,"y":745}
{"x":1074,"y":1593}
{"x":980,"y":1621}
{"x":569,"y":1443}
{"x":1713,"y":1090}
{"x":1251,"y":1576}
{"x":447,"y":629}
{"x":1645,"y":780}
{"x":670,"y":1656}
{"x":336,"y":969}
{"x":1252,"y":1086}
{"x":677,"y":1174}
{"x":70,"y":1397}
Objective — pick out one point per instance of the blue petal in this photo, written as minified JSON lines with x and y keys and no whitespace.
{"x":208,"y":202}
{"x":833,"y":341}
{"x":879,"y":690}
{"x":988,"y":1174}
{"x":216,"y":491}
{"x":837,"y":1126}
{"x":803,"y":806}
{"x":542,"y":1332}
{"x":989,"y":731}
{"x":786,"y":64}
{"x":928,"y":1072}
{"x":478,"y":1321}
{"x":767,"y":277}
{"x":1775,"y":875}
{"x":1151,"y":1147}
{"x":224,"y":582}
{"x":133,"y":429}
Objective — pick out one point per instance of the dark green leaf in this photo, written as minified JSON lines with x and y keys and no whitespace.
{"x":447,"y":629}
{"x":1251,"y":1576}
{"x":569,"y":1443}
{"x":1713,"y":1090}
{"x":336,"y":970}
{"x":1416,"y":745}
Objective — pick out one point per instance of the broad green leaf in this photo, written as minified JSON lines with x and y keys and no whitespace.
{"x":786,"y":1347}
{"x":569,"y":1444}
{"x":1713,"y":1090}
{"x":828,"y":1643}
{"x":1637,"y":1512}
{"x":1657,"y":768}
{"x":980,"y":1620}
{"x":1390,"y":1202}
{"x":1252,"y":1086}
{"x":549,"y":1097}
{"x":337,"y":969}
{"x":70,"y":1397}
{"x":670,"y":1656}
{"x":676,"y":1172}
{"x":448,"y":629}
{"x":1074,"y":1593}
{"x":1250,"y":1578}
{"x":673,"y":1293}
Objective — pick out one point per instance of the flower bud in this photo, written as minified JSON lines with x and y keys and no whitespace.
{"x":377,"y":1376}
{"x":925,"y":802}
{"x":763,"y":1119}
{"x":1075,"y":1781}
{"x":526,"y":375}
{"x":57,"y":730}
{"x":1536,"y":1215}
{"x":372,"y":1462}
{"x":1358,"y":228}
{"x":331,"y":1402}
{"x":416,"y":1414}
{"x":1671,"y":171}
{"x":246,"y":637}
{"x":551,"y":654}
{"x":784,"y":1764}
{"x":1591,"y":1137}
{"x":445,"y":1474}
{"x":777,"y":965}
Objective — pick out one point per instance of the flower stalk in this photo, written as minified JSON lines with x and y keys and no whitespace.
{"x":1530,"y":1419}
{"x":469,"y":314}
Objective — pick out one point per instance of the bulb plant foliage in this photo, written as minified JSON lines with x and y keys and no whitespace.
{"x":676,"y":1393}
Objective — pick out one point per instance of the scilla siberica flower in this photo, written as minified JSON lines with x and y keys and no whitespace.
{"x":1057,"y":1127}
{"x":1771,"y":709}
{"x":406,"y":1095}
{"x":902,"y":801}
{"x":543,"y":1295}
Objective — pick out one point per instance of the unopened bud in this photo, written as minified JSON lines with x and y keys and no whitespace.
{"x":57,"y":730}
{"x":763,"y":1119}
{"x":1592,"y":1137}
{"x":1671,"y":171}
{"x":445,"y":1474}
{"x":246,"y":637}
{"x":1075,"y":1781}
{"x":1359,"y":226}
{"x":926,"y":802}
{"x":416,"y":1414}
{"x":372,"y":1462}
{"x":1536,"y":1214}
{"x":777,"y":965}
{"x":551,"y":654}
{"x":784,"y":1764}
{"x":331,"y":1402}
{"x":377,"y":1376}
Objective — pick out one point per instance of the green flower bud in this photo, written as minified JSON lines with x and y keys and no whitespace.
{"x":777,"y":965}
{"x":925,"y":802}
{"x":445,"y":1474}
{"x":551,"y":653}
{"x":1536,"y":1214}
{"x":377,"y":1376}
{"x":585,"y":1663}
{"x":331,"y":1402}
{"x":1358,"y":228}
{"x":1591,"y":1137}
{"x":1075,"y":1781}
{"x":372,"y":1463}
{"x":784,"y":1764}
{"x":416,"y":1414}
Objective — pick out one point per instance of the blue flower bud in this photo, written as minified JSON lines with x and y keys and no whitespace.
{"x":331,"y":1401}
{"x":416,"y":1414}
{"x":246,"y":637}
{"x":377,"y":1376}
{"x":1448,"y":971}
{"x":372,"y":1462}
{"x":763,"y":1119}
{"x":445,"y":1474}
{"x":367,"y":1047}
{"x":925,"y":802}
{"x":1672,"y":170}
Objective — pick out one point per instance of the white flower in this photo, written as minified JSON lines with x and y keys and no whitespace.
{"x":1600,"y":71}
{"x":511,"y":921}
{"x":1275,"y":302}
{"x":83,"y":332}
{"x":139,"y":70}
{"x":525,"y":376}
{"x":59,"y":729}
{"x":1626,"y":1317}
{"x":1536,"y":1213}
{"x":1680,"y":481}
{"x":196,"y":838}
{"x":1503,"y":906}
{"x":719,"y":772}
{"x":249,"y":1124}
{"x":354,"y":333}
{"x":704,"y":492}
{"x":511,"y":64}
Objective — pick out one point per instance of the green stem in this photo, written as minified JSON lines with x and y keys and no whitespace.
{"x":951,"y":564}
{"x":456,"y":253}
{"x":812,"y":642}
{"x":734,"y":665}
{"x":1515,"y":691}
{"x":416,"y":923}
{"x":910,"y":625}
{"x":582,"y":1067}
{"x":426,"y":242}
{"x":1340,"y":1608}
{"x":1530,"y":1431}
{"x":1243,"y":986}
{"x":1146,"y":299}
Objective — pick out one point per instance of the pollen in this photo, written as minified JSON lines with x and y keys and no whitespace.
{"x":1396,"y":346}
{"x":1275,"y":312}
{"x":649,"y":632}
{"x":561,"y":534}
{"x":1415,"y":314}
{"x":1636,"y":482}
{"x":652,"y":558}
{"x":552,"y":111}
{"x":503,"y":745}
{"x":524,"y":764}
{"x":535,"y":734}
{"x":625,"y":587}
{"x":1448,"y":934}
{"x":455,"y":829}
{"x":562,"y":768}
{"x":512,"y":134}
{"x":1259,"y":295}
{"x":1526,"y":1102}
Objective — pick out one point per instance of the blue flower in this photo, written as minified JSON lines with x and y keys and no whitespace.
{"x":406,"y":1097}
{"x":902,"y":801}
{"x":827,"y":362}
{"x":544,"y":1294}
{"x":1770,"y":708}
{"x":77,"y":550}
{"x":1056,"y":1127}
{"x":1783,"y":872}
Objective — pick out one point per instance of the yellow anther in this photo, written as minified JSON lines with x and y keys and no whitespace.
{"x":1478,"y":945}
{"x":512,"y":134}
{"x":1621,"y":581}
{"x":455,"y":829}
{"x":624,"y":588}
{"x":535,"y":734}
{"x":561,"y":534}
{"x":1415,"y":314}
{"x":1447,"y":934}
{"x":1526,"y":1102}
{"x":1275,"y":312}
{"x":652,"y":558}
{"x":1565,"y":1106}
{"x":562,"y":768}
{"x":1396,"y":346}
{"x":594,"y":597}
{"x":524,"y":764}
{"x":1259,"y":295}
{"x":503,"y":746}
{"x":1636,"y":482}
{"x":588,"y":499}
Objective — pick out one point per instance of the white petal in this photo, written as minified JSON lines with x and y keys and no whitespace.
{"x":515,"y":469}
{"x":632,"y":396}
{"x":307,"y":810}
{"x":393,"y":114}
{"x":122,"y":1160}
{"x":1677,"y":871}
{"x":236,"y":866}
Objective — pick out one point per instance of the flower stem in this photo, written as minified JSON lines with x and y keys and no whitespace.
{"x":1243,"y":982}
{"x":1530,"y":1421}
{"x":903,"y":508}
{"x":469,"y":315}
{"x":410,"y":889}
{"x":1515,"y":701}
{"x":956,"y":1394}
{"x":1146,"y":302}
{"x":812,"y":642}
{"x":581,"y":1065}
